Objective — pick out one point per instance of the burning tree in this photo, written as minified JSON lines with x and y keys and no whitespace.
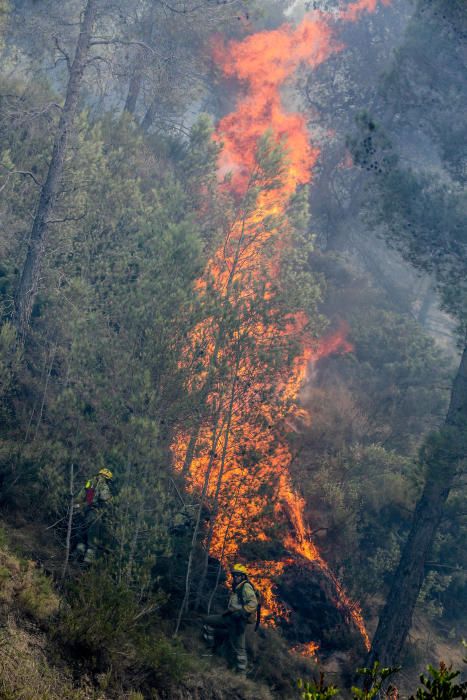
{"x":252,"y":350}
{"x":247,"y":350}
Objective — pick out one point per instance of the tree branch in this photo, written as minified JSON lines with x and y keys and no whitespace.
{"x":63,"y":52}
{"x":128,"y":42}
{"x":66,"y":219}
{"x":26,"y":173}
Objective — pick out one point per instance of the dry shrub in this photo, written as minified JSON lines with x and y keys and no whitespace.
{"x":36,"y":596}
{"x":216,"y":684}
{"x":25,"y":673}
{"x":26,"y":588}
{"x":10,"y":570}
{"x":272,"y":662}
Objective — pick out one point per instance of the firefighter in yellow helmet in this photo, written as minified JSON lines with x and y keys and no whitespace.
{"x":91,"y":502}
{"x":230,"y":627}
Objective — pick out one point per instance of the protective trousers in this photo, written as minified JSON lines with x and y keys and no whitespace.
{"x":229,"y":629}
{"x":91,"y":526}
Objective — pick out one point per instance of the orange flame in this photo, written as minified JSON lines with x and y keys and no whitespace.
{"x":333,"y":344}
{"x":353,"y":11}
{"x":309,"y":649}
{"x":263,"y":63}
{"x":238,"y":454}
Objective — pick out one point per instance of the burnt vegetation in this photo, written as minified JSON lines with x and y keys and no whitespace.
{"x":233,"y":264}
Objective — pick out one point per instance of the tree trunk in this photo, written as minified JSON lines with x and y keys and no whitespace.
{"x":194,"y":540}
{"x":69,"y":522}
{"x":134,"y":88}
{"x":215,"y":501}
{"x":442,"y":454}
{"x":150,"y":115}
{"x":224,"y":544}
{"x":27,"y":288}
{"x":71,"y":508}
{"x":205,"y":390}
{"x":136,"y":80}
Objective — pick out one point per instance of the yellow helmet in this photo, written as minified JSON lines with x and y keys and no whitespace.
{"x":106,"y":472}
{"x":239,"y":569}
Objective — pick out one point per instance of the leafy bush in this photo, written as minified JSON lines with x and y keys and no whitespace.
{"x":316,"y":691}
{"x":440,"y":685}
{"x":104,"y":621}
{"x":376,"y":683}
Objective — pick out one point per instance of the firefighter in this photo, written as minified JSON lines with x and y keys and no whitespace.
{"x":231,"y":625}
{"x":91,"y":502}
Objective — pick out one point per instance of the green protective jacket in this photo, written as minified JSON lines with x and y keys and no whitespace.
{"x":243,"y":597}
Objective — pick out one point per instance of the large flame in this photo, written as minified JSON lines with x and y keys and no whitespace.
{"x":263,"y":63}
{"x":237,"y":456}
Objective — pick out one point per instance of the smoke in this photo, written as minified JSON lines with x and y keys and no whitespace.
{"x":300,"y":8}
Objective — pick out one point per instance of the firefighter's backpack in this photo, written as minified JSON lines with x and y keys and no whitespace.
{"x":90,"y":490}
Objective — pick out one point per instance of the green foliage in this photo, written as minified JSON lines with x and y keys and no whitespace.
{"x":397,"y":367}
{"x":316,"y":691}
{"x":440,"y":685}
{"x":375,"y":682}
{"x":375,"y":685}
{"x":9,"y":365}
{"x":371,"y":410}
{"x":421,"y":212}
{"x":4,"y":12}
{"x":420,"y":207}
{"x":431,"y":596}
{"x":105,"y":619}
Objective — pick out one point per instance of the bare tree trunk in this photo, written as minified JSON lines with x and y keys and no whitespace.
{"x":44,"y":395}
{"x":136,"y":534}
{"x":215,"y":439}
{"x":71,"y":506}
{"x":27,"y":288}
{"x":150,"y":115}
{"x":224,"y":543}
{"x":133,"y":546}
{"x":204,"y":393}
{"x":219,"y":337}
{"x":136,"y":80}
{"x":443,"y":452}
{"x":134,"y":88}
{"x":44,"y":371}
{"x":70,"y":521}
{"x":190,"y":452}
{"x":124,"y":521}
